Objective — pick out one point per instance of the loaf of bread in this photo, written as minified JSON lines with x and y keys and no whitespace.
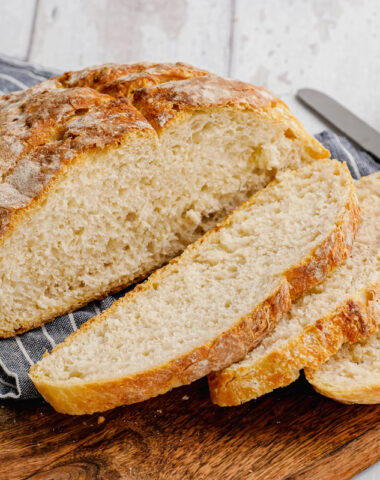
{"x":345,"y":307}
{"x":352,"y":375}
{"x":110,"y":172}
{"x":210,"y":306}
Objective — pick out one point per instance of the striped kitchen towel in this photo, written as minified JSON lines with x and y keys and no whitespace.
{"x":17,"y":354}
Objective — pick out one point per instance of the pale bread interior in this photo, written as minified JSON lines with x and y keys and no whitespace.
{"x":215,"y":283}
{"x":361,"y":269}
{"x":118,"y":214}
{"x":355,"y":368}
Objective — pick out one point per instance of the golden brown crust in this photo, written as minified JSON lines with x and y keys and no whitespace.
{"x":98,"y":76}
{"x":356,"y":319}
{"x":120,"y":80}
{"x":167,"y":102}
{"x":365,"y":395}
{"x":327,"y":256}
{"x":45,"y":128}
{"x":351,"y":390}
{"x":226,"y":349}
{"x":164,"y":102}
{"x":156,"y":74}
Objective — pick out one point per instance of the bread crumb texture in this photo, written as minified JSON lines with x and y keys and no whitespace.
{"x":212,"y":304}
{"x":352,"y":375}
{"x":345,"y":307}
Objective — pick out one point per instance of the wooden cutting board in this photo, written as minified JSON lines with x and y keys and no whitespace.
{"x":291,"y":434}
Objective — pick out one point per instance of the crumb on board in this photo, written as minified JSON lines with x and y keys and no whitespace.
{"x":185,"y":397}
{"x":101,"y":420}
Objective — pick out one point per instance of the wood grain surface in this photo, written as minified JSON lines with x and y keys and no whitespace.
{"x":291,"y":434}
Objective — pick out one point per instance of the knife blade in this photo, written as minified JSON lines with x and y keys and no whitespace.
{"x":351,"y":125}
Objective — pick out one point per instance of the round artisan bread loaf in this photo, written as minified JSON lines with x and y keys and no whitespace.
{"x":108,"y":173}
{"x":215,"y":302}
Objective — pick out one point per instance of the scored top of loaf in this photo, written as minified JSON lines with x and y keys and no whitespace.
{"x":45,"y":127}
{"x":122,"y":80}
{"x":161,"y":103}
{"x":160,"y":91}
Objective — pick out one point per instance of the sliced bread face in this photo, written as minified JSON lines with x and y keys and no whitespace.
{"x":345,"y":307}
{"x":210,"y":306}
{"x":94,"y":196}
{"x":352,"y":375}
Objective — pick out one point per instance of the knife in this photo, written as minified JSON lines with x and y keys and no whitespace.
{"x":351,"y":125}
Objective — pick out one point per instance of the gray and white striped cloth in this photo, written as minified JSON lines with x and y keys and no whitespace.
{"x":19,"y":353}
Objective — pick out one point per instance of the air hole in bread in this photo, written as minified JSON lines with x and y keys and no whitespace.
{"x":131,"y":217}
{"x":290,"y":134}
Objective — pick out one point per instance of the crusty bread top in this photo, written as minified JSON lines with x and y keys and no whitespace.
{"x":160,"y":91}
{"x":123,"y":79}
{"x":161,"y":103}
{"x":46,"y":127}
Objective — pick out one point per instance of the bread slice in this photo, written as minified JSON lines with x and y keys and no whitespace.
{"x":352,"y":375}
{"x":212,"y":304}
{"x":344,"y":307}
{"x":94,"y":195}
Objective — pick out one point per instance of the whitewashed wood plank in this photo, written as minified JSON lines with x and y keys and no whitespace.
{"x":16,"y":21}
{"x":75,"y":33}
{"x":330,"y":45}
{"x":371,"y":473}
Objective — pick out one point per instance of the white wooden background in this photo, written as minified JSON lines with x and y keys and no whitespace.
{"x":332,"y":45}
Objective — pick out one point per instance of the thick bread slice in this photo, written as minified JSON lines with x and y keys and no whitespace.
{"x":93,"y":198}
{"x":212,"y":304}
{"x":352,"y":375}
{"x":345,"y":307}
